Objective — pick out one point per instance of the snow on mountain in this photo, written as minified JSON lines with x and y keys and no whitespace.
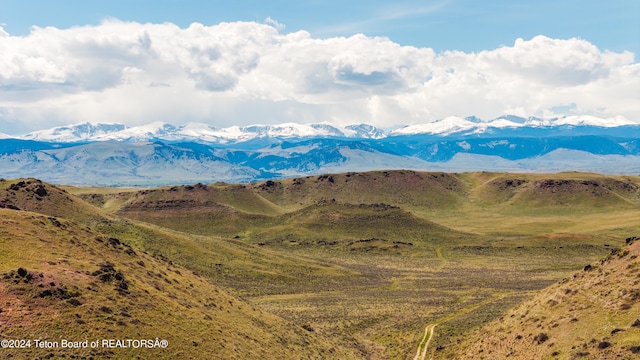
{"x":473,"y":125}
{"x":5,"y":136}
{"x":194,"y":130}
{"x":246,"y":133}
{"x":365,"y":131}
{"x":514,"y":119}
{"x":499,"y":123}
{"x":192,"y":152}
{"x":586,"y":120}
{"x":289,"y":130}
{"x":74,"y":133}
{"x":327,"y":130}
{"x":200,"y":132}
{"x":448,"y":125}
{"x":454,"y":124}
{"x":153,"y":130}
{"x":208,"y":133}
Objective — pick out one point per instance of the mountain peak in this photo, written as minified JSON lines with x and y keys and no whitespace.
{"x":366,"y":131}
{"x":445,"y":126}
{"x":73,"y":133}
{"x":588,"y":120}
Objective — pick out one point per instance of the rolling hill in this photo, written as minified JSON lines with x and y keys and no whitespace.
{"x":228,"y":261}
{"x":62,"y":281}
{"x":360,"y":262}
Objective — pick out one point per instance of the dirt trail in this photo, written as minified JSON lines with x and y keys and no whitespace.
{"x":429,"y":331}
{"x":428,"y":335}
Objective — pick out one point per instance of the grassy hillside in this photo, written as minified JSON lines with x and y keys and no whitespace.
{"x":225,"y":260}
{"x":325,"y":223}
{"x":37,"y":196}
{"x":539,"y":204}
{"x":61,"y":281}
{"x":583,"y":193}
{"x":352,"y":227}
{"x":406,"y":188}
{"x":592,"y":314}
{"x":480,"y":203}
{"x":368,"y":260}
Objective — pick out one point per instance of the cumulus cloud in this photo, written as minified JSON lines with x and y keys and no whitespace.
{"x":244,"y":72}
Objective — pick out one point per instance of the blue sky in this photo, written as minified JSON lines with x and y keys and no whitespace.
{"x":466,"y":25}
{"x":139,"y":61}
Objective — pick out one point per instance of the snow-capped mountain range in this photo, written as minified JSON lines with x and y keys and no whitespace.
{"x":472,"y":125}
{"x":200,"y":132}
{"x":159,"y":153}
{"x":236,"y":134}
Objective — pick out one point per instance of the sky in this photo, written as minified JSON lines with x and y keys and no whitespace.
{"x":378,"y":62}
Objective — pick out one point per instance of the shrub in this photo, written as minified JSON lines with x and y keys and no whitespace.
{"x":580,"y":354}
{"x":604,"y":344}
{"x":540,"y":338}
{"x":631,"y":239}
{"x":74,"y":302}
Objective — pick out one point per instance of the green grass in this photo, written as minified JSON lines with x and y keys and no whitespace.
{"x":367,"y":260}
{"x":75,"y":291}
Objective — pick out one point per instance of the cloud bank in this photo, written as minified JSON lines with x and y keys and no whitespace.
{"x":245,"y":73}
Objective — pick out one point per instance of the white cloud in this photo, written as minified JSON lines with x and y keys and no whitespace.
{"x":271,"y":22}
{"x":244,"y":72}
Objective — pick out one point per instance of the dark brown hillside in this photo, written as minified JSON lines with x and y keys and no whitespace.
{"x":400,"y":188}
{"x":192,"y":216}
{"x":421,"y":192}
{"x":592,"y":192}
{"x":239,"y":197}
{"x":37,"y":196}
{"x":219,"y":209}
{"x":581,"y":192}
